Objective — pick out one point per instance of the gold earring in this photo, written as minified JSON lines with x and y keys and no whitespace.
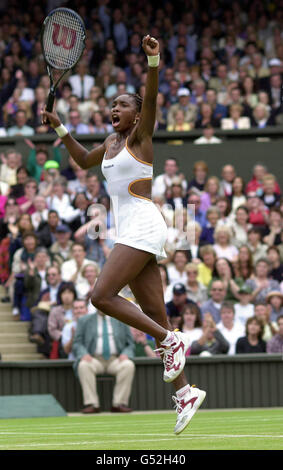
{"x":135,"y":121}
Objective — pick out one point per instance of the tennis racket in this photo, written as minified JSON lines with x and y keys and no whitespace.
{"x":62,"y":41}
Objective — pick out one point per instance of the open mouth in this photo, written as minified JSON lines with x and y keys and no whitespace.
{"x":115,"y":120}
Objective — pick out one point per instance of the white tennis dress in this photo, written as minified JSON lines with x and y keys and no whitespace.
{"x":138,"y":221}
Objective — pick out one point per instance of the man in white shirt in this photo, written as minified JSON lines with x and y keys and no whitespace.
{"x":163,"y":181}
{"x":71,"y":270}
{"x":231,"y":329}
{"x":68,"y":332}
{"x":244,"y":309}
{"x":81,"y":82}
{"x":208,"y":136}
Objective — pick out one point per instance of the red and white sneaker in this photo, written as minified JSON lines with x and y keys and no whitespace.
{"x":186,"y":405}
{"x":174,"y":355}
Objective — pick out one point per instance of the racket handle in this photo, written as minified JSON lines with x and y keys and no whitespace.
{"x":50,"y":102}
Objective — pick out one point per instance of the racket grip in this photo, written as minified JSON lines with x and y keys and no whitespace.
{"x":50,"y":102}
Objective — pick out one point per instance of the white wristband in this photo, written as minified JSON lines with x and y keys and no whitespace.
{"x":61,"y":131}
{"x":153,"y":60}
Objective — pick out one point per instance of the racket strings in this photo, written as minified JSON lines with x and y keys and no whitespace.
{"x":63,"y":40}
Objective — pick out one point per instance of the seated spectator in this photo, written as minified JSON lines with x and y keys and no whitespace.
{"x":211,"y":341}
{"x":194,"y":211}
{"x":258,"y":212}
{"x":164,"y":180}
{"x":97,"y":125}
{"x":59,"y":316}
{"x":230,"y":328}
{"x":200,"y":171}
{"x":7,"y":221}
{"x":165,"y":282}
{"x":35,"y":279}
{"x":178,"y":122}
{"x":54,"y":283}
{"x":262,"y":311}
{"x":252,"y":342}
{"x":69,"y":329}
{"x":219,"y":110}
{"x":161,"y":112}
{"x":20,"y":127}
{"x":206,"y":264}
{"x":144,"y":347}
{"x":213,"y":304}
{"x":223,"y":270}
{"x":8,"y":168}
{"x":177,"y":197}
{"x":228,"y":174}
{"x":177,"y":270}
{"x":26,"y":201}
{"x":81,"y":204}
{"x":208,"y":136}
{"x":269,"y":195}
{"x":223,"y":246}
{"x":210,"y":194}
{"x":261,"y":117}
{"x":244,"y":309}
{"x":84,"y":288}
{"x":260,"y":283}
{"x":207,"y":234}
{"x":46,"y":231}
{"x":61,"y":249}
{"x":75,"y":124}
{"x":272,"y":233}
{"x":275,"y":344}
{"x":238,"y":197}
{"x":71,"y":270}
{"x":90,"y":105}
{"x":39,"y":155}
{"x":243,"y":266}
{"x":240,"y":227}
{"x":224,"y":206}
{"x":41,"y":211}
{"x":17,"y":190}
{"x":250,"y":97}
{"x":38,"y":331}
{"x":276,"y":267}
{"x":235,"y":119}
{"x":81,"y":81}
{"x":49,"y":174}
{"x":275,"y":300}
{"x":183,"y":103}
{"x":196,"y":291}
{"x":256,"y":182}
{"x":175,"y":306}
{"x":255,"y":245}
{"x":59,"y":200}
{"x":191,"y":322}
{"x":94,"y":189}
{"x":206,"y":117}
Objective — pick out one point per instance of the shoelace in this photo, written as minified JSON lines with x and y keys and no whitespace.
{"x":177,"y":404}
{"x":168,"y":356}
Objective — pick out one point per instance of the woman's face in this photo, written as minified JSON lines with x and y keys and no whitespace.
{"x":30,"y":244}
{"x":237,"y":185}
{"x":90,"y":274}
{"x":261,"y":269}
{"x":25,"y":223}
{"x":189,"y":318}
{"x":67,"y":297}
{"x":222,"y":238}
{"x":212,"y":186}
{"x":222,"y":266}
{"x":123,"y":113}
{"x":244,"y":254}
{"x":180,"y":259}
{"x":241,"y":216}
{"x":253,"y":328}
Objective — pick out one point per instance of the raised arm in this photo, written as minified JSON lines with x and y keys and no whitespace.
{"x":147,"y":119}
{"x":84,"y":158}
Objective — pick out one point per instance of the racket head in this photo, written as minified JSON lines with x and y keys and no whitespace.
{"x":62,"y":38}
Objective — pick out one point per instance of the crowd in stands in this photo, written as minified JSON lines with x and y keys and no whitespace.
{"x":221,"y":64}
{"x":220,"y":67}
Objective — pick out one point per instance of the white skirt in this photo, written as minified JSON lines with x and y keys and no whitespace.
{"x":139,"y":224}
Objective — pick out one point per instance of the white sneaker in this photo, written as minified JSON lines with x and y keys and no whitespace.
{"x":174,"y":355}
{"x":186,"y":406}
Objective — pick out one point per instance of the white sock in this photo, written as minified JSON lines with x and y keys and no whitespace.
{"x":169,"y":338}
{"x":182,"y":391}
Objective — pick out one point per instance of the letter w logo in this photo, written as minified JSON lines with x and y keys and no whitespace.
{"x":63,"y":36}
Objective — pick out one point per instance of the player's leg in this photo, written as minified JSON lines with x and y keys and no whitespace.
{"x":123,"y":265}
{"x":147,"y":289}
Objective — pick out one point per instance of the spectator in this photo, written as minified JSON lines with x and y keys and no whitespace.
{"x":275,"y":344}
{"x":273,"y":256}
{"x":38,"y":332}
{"x":269,"y":195}
{"x":59,"y":200}
{"x":59,"y":316}
{"x":81,"y":82}
{"x":214,"y":303}
{"x":211,"y":191}
{"x":275,"y":301}
{"x":230,"y":328}
{"x":207,"y":234}
{"x":272,"y":233}
{"x":206,"y":265}
{"x":196,"y":291}
{"x":75,"y":124}
{"x":144,"y":347}
{"x":260,"y":283}
{"x":235,"y":120}
{"x":69,"y":329}
{"x":20,"y":127}
{"x":8,"y":169}
{"x":244,"y":309}
{"x":94,"y":189}
{"x":261,"y":117}
{"x":17,"y":190}
{"x":178,"y":122}
{"x":208,"y":136}
{"x":38,"y":156}
{"x":35,"y":276}
{"x":61,"y":249}
{"x":164,"y":180}
{"x":54,"y":284}
{"x":200,"y":171}
{"x":238,"y":197}
{"x":71,"y":270}
{"x":189,"y":109}
{"x":175,"y":306}
{"x":165,"y":282}
{"x":191,"y":322}
{"x":177,"y":270}
{"x":212,"y":341}
{"x":240,"y":227}
{"x":95,"y":354}
{"x":262,"y":311}
{"x":223,"y":246}
{"x":177,"y":197}
{"x":255,"y":245}
{"x":84,"y":289}
{"x":97,"y":125}
{"x":228,"y":174}
{"x":252,"y":342}
{"x":26,"y":201}
{"x":206,"y":118}
{"x":46,"y":231}
{"x":223,"y":270}
{"x":243,"y":266}
{"x":41,"y":211}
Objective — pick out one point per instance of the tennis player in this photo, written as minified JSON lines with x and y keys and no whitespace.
{"x":126,"y":158}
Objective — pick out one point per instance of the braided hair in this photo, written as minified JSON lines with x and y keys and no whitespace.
{"x":137,"y":99}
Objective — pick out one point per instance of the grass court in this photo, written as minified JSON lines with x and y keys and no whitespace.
{"x":249,"y":429}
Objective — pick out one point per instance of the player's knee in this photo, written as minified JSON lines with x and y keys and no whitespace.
{"x":98,"y":298}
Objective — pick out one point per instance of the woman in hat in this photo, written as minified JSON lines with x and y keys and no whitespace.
{"x":275,"y":300}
